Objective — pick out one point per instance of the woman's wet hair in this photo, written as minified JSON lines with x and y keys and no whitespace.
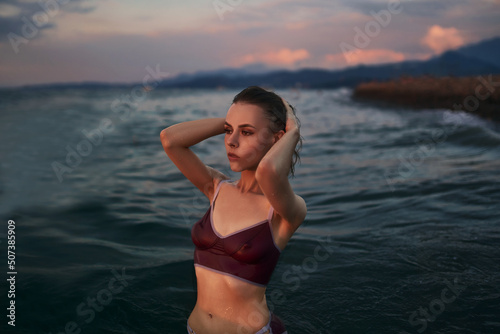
{"x":274,"y":110}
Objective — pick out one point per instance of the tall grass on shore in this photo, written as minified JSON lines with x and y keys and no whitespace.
{"x":479,"y":94}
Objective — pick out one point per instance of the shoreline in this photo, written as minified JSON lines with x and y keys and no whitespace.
{"x":479,"y":95}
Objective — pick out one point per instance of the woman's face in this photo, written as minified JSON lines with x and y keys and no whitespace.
{"x":248,"y":136}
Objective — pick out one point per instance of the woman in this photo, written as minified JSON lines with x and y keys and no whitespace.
{"x":250,"y":220}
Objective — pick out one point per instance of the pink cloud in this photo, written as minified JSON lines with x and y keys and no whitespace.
{"x":282,"y":57}
{"x":362,"y":56}
{"x":440,"y":39}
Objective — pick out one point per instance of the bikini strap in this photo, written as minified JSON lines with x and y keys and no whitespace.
{"x":217,"y":191}
{"x":270,"y":215}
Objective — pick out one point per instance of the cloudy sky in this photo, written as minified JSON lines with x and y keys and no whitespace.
{"x":45,"y":41}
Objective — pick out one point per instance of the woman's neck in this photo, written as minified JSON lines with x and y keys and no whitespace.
{"x":248,"y":182}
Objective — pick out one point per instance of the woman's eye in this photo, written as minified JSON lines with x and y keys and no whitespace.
{"x":246,"y":133}
{"x":228,"y":131}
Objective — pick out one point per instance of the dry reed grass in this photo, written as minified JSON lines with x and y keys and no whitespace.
{"x":464,"y":93}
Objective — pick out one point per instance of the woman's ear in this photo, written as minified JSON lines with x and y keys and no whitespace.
{"x":278,"y":135}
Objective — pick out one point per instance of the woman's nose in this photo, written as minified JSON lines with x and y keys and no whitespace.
{"x":232,"y":141}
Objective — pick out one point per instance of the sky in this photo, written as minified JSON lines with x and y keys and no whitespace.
{"x":49,"y":41}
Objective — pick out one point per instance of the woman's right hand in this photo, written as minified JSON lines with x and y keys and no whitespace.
{"x":291,"y":120}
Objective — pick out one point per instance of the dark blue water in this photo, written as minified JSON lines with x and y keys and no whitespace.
{"x":402,"y":233}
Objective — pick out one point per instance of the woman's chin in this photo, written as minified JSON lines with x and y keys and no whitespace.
{"x":236,"y":166}
{"x":236,"y":169}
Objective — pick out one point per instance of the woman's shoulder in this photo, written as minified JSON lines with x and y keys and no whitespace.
{"x":218,"y":179}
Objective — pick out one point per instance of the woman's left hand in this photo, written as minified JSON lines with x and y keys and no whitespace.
{"x":291,"y":120}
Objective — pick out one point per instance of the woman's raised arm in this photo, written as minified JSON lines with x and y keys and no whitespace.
{"x":272,"y":174}
{"x":177,"y":139}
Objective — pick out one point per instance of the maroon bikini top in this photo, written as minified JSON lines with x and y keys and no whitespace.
{"x":249,"y":254}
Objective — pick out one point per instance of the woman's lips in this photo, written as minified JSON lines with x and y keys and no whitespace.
{"x":232,"y":156}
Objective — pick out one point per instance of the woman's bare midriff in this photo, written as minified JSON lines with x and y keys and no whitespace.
{"x":227,"y":305}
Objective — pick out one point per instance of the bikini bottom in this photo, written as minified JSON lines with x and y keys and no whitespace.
{"x":274,"y":326}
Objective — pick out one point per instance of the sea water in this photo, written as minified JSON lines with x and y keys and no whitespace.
{"x":402,"y":233}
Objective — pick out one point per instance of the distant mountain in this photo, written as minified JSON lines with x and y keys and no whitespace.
{"x":477,"y":59}
{"x":450,"y":63}
{"x":251,"y":69}
{"x":488,"y":51}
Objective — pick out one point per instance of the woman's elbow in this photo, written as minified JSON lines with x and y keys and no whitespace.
{"x":166,"y":139}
